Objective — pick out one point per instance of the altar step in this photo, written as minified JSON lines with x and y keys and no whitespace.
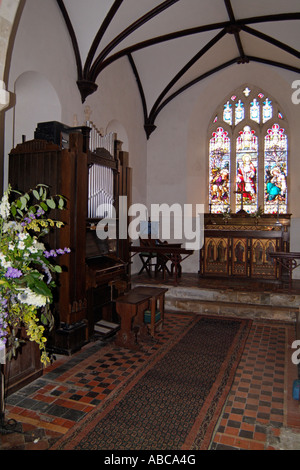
{"x":232,"y":302}
{"x":255,"y":305}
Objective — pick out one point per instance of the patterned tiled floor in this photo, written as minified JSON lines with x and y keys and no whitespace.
{"x":260,"y":411}
{"x":259,"y":414}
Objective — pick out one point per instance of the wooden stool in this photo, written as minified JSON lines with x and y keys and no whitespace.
{"x":130,"y":308}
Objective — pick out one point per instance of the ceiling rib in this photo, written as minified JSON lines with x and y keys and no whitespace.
{"x":271,"y":40}
{"x":149,"y":123}
{"x":86,"y":77}
{"x":234,"y":28}
{"x":109,"y":17}
{"x":72,"y":36}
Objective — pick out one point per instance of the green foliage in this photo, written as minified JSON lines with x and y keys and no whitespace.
{"x":26,"y":282}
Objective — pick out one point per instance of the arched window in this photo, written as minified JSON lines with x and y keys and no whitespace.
{"x":248,"y":154}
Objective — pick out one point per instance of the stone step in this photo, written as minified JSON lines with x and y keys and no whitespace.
{"x":235,"y":296}
{"x":263,"y":305}
{"x":232,"y":309}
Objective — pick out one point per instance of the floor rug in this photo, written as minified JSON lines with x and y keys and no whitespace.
{"x":175,"y":402}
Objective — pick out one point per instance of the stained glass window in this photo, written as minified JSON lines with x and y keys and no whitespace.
{"x":227,"y":113}
{"x":219,"y":170}
{"x":267,"y":110}
{"x":275,"y":163}
{"x":247,"y":91}
{"x":247,"y":163}
{"x":246,"y":170}
{"x":239,"y":112}
{"x":254,"y":111}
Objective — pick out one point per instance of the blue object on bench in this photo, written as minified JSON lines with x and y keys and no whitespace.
{"x":147,"y":316}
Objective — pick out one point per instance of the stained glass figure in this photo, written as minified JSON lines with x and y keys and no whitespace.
{"x":275,"y":164}
{"x":246,"y":170}
{"x":219,"y":171}
{"x":254,"y":111}
{"x":227,"y":113}
{"x":267,"y":110}
{"x":239,"y":112}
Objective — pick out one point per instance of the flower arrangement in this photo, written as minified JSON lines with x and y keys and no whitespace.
{"x":227,"y":213}
{"x":26,"y":267}
{"x":257,"y":214}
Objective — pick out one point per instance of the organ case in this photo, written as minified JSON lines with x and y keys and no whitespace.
{"x":68,"y":168}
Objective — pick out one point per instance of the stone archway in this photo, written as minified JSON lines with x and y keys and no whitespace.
{"x":8,"y":14}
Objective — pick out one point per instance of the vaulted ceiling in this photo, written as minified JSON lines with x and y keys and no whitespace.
{"x":171,"y":45}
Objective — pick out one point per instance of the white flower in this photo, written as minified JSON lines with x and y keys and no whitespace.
{"x":4,"y":207}
{"x":27,"y":296}
{"x":22,"y":236}
{"x":12,"y":225}
{"x":21,"y":245}
{"x":39,"y":246}
{"x":33,"y":249}
{"x":5,"y":264}
{"x":11,"y":246}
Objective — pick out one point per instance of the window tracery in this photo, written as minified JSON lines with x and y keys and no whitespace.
{"x":248,"y":154}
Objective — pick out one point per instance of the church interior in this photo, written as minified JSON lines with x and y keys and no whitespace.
{"x":171,"y":130}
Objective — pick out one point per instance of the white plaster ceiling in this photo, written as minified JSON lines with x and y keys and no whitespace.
{"x":173,"y":44}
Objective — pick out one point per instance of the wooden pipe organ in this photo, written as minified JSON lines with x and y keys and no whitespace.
{"x":91,"y":171}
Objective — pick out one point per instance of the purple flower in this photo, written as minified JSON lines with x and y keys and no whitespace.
{"x":13,"y":273}
{"x":40,"y":211}
{"x":54,"y":253}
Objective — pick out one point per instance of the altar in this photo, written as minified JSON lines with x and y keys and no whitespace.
{"x":239,"y":245}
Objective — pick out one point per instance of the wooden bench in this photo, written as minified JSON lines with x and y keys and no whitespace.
{"x":157,"y":303}
{"x":131,"y":309}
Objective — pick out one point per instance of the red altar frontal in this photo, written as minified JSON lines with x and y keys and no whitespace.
{"x":240,"y":245}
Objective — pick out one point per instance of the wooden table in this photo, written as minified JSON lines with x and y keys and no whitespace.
{"x":174,"y":254}
{"x":130,"y":308}
{"x":157,"y":300}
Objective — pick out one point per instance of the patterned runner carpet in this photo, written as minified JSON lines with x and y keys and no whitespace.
{"x":175,"y":402}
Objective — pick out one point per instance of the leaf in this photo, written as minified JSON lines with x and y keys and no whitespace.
{"x":57,"y":268}
{"x":44,"y":319}
{"x":41,"y":288}
{"x":36,"y":194}
{"x":61,"y":203}
{"x":23,"y":201}
{"x":51,"y":203}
